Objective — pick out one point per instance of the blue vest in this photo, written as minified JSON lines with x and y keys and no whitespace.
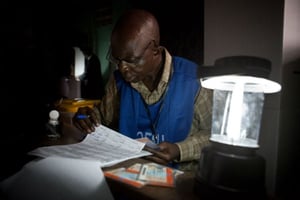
{"x":172,"y":115}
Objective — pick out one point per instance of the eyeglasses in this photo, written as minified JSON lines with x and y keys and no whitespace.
{"x":132,"y":63}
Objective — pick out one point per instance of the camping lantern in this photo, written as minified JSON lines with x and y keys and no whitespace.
{"x":230,"y":166}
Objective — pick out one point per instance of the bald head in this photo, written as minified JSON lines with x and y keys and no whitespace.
{"x":136,"y":24}
{"x":135,"y":48}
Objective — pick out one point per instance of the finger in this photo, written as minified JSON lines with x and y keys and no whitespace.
{"x":77,"y":125}
{"x":156,"y":160}
{"x":96,"y":116}
{"x":83,"y":119}
{"x":94,"y":119}
{"x":151,"y":150}
{"x":156,"y":153}
{"x":92,"y":115}
{"x":83,"y":124}
{"x":87,"y":125}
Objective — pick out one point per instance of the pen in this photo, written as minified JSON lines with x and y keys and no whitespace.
{"x":80,"y":116}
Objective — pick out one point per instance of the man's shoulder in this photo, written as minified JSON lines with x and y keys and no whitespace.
{"x":184,"y":65}
{"x":183,"y":61}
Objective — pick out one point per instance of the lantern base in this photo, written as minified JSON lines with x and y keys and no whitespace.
{"x":230,"y":171}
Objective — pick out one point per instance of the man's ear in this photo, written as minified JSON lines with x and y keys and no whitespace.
{"x":157,"y":50}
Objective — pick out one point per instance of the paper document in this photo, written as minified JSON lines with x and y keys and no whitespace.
{"x":56,"y":178}
{"x":104,"y":145}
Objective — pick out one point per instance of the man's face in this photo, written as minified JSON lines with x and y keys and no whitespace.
{"x":133,"y":59}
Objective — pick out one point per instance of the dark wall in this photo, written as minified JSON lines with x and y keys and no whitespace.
{"x":35,"y":51}
{"x":181,"y":25}
{"x":30,"y":56}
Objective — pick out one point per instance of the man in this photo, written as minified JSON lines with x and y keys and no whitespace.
{"x":152,"y":94}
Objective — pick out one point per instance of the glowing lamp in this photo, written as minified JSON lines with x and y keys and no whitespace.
{"x":229,"y":165}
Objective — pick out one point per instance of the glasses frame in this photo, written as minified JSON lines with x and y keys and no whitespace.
{"x":136,"y":62}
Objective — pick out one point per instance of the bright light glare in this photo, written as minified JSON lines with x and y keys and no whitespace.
{"x":79,"y":62}
{"x":252,"y":84}
{"x":235,"y":113}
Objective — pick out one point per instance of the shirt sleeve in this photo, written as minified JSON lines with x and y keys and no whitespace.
{"x":190,"y":148}
{"x":108,"y":109}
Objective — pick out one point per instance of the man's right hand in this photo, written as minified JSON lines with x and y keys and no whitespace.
{"x":86,"y":119}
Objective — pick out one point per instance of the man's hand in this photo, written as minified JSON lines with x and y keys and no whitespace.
{"x":167,"y":153}
{"x":86,"y":119}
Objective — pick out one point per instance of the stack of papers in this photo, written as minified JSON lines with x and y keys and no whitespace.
{"x":139,"y":175}
{"x":105,"y":145}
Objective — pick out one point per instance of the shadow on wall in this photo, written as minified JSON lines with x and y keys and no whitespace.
{"x":288,"y":174}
